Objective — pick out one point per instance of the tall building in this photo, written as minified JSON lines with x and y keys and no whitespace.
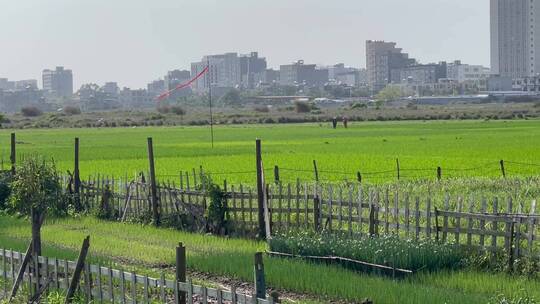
{"x":252,"y":68}
{"x":58,"y":82}
{"x":381,"y":58}
{"x":229,"y":70}
{"x":515,"y":37}
{"x":224,"y":71}
{"x":461,"y":72}
{"x":300,"y":73}
{"x":419,"y":73}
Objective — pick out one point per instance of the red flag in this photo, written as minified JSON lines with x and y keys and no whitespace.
{"x":166,"y":95}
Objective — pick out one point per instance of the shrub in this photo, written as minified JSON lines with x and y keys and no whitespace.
{"x":5,"y":190}
{"x":302,"y":107}
{"x":217,"y":208}
{"x":71,"y":110}
{"x":262,"y":109}
{"x":164,"y":109}
{"x":37,"y":185}
{"x":178,"y":110}
{"x":31,"y":111}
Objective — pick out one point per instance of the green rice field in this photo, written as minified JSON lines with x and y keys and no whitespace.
{"x":460,"y":148}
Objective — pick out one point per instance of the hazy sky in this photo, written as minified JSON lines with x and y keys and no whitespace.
{"x":135,"y":41}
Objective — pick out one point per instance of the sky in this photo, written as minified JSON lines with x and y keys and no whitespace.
{"x":134,"y":42}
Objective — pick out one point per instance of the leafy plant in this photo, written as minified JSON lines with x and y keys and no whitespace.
{"x":31,"y":111}
{"x":37,"y":185}
{"x":71,"y":110}
{"x":217,"y":208}
{"x":5,"y":189}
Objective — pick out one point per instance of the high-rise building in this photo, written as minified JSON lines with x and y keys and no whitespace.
{"x":252,"y":68}
{"x":381,"y":58}
{"x":224,"y":71}
{"x":58,"y":82}
{"x":229,"y":70}
{"x":515,"y":38}
{"x":419,"y":73}
{"x":466,"y":72}
{"x":301,"y":73}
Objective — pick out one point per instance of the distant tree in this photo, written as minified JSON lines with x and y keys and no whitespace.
{"x":390,"y":93}
{"x":71,"y":110}
{"x":31,"y":111}
{"x":302,"y":107}
{"x":178,"y":110}
{"x":232,"y":97}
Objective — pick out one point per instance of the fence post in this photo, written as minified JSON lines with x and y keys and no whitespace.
{"x":13,"y":155}
{"x":397,"y":168}
{"x":78,"y":270}
{"x":511,"y":249}
{"x":316,"y":170}
{"x":439,"y":173}
{"x":76,"y":175}
{"x":316,"y":212}
{"x":260,"y":190}
{"x":260,"y":285}
{"x":153,"y":188}
{"x":181,"y":271}
{"x":372,"y":220}
{"x":276,"y":174}
{"x":503,"y":171}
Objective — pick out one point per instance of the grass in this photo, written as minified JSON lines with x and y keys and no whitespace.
{"x":149,"y":248}
{"x":365,"y":146}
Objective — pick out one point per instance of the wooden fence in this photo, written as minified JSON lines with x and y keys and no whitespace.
{"x":112,"y":285}
{"x":492,"y":224}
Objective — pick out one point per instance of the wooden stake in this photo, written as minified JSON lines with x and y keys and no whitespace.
{"x":76,"y":176}
{"x":276,"y":174}
{"x":260,"y":190}
{"x":22,"y":268}
{"x":503,"y":171}
{"x":78,"y":270}
{"x":316,"y":170}
{"x":13,"y":155}
{"x":260,"y":285}
{"x":181,"y":270}
{"x":153,"y":187}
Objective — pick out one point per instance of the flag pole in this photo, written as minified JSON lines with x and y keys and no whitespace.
{"x":210,"y":102}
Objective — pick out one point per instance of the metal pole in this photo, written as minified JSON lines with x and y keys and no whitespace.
{"x":210,"y":102}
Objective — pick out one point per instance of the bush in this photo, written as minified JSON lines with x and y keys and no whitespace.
{"x":302,"y":107}
{"x":37,"y":185}
{"x":178,"y":110}
{"x":217,"y":208}
{"x":31,"y":111}
{"x":262,"y":109}
{"x":5,"y":190}
{"x":384,"y":250}
{"x":163,"y":109}
{"x":71,"y":110}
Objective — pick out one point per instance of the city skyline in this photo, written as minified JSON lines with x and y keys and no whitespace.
{"x":148,"y":41}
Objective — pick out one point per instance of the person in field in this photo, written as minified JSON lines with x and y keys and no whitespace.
{"x":345,"y":121}
{"x":334,"y":122}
